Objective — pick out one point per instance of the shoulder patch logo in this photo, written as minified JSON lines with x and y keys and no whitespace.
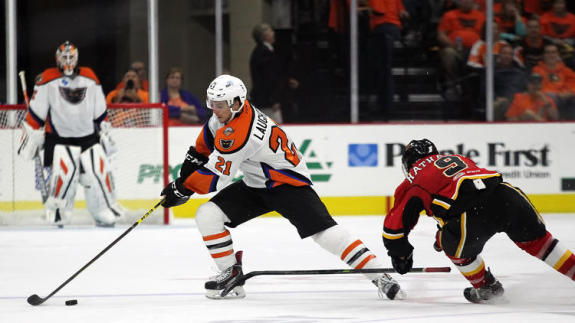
{"x":226,"y":144}
{"x":228,"y":131}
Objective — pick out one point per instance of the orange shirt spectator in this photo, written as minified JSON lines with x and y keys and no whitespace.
{"x":466,"y":25}
{"x":386,"y":12}
{"x":558,"y":23}
{"x":532,"y":107}
{"x":558,"y":79}
{"x":478,"y":51}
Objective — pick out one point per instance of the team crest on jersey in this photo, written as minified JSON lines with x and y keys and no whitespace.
{"x":226,"y":144}
{"x":228,"y":131}
{"x":73,"y":96}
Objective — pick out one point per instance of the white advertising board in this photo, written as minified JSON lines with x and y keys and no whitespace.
{"x":344,"y":160}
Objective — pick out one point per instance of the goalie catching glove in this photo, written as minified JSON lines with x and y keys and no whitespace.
{"x":194,"y":160}
{"x":175,"y":193}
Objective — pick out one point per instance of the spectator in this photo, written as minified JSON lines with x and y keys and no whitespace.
{"x":509,"y":79}
{"x":269,"y":80}
{"x":536,"y":7}
{"x":131,"y":92}
{"x":509,"y":19}
{"x":529,"y":50}
{"x":558,"y":23}
{"x":385,"y":24}
{"x":477,"y":54}
{"x":458,"y":30}
{"x":533,"y":105}
{"x":140,"y":69}
{"x":184,"y":108}
{"x":558,"y":80}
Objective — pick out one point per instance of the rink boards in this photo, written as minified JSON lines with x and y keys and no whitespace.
{"x":355,"y":168}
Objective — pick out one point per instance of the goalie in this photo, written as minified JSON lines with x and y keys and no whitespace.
{"x":67,"y":119}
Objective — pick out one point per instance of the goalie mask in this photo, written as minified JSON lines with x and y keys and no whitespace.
{"x":414,"y":151}
{"x":226,"y":88}
{"x":67,"y":58}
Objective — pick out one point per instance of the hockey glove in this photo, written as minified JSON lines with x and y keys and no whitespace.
{"x":402,"y":264}
{"x":175,"y":193}
{"x":194,"y":160}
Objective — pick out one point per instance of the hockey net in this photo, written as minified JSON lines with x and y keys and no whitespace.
{"x":140,"y":166}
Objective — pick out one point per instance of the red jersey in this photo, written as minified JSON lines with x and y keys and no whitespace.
{"x":439,"y":185}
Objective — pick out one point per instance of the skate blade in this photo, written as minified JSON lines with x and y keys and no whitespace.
{"x":237,"y":292}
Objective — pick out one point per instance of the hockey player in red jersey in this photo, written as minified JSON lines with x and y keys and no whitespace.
{"x":471,"y":204}
{"x":238,"y":136}
{"x":67,"y":120}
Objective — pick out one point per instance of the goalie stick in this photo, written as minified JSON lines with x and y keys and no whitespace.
{"x":329,"y":272}
{"x":38,"y":167}
{"x":37,"y":300}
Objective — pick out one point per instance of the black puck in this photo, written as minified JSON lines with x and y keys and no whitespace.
{"x":71,"y":302}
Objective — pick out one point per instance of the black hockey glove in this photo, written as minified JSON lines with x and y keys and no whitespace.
{"x":175,"y":193}
{"x":194,"y":160}
{"x":402,"y":264}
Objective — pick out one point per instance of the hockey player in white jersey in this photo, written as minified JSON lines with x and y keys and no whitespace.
{"x":240,"y":137}
{"x":67,"y":119}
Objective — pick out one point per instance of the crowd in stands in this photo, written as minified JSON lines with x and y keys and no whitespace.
{"x":533,"y":46}
{"x":534,"y":57}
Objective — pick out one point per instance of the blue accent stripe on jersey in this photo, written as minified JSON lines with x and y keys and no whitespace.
{"x":52,"y":125}
{"x":102,"y":117}
{"x":215,"y":178}
{"x":208,"y":137}
{"x":36,"y":117}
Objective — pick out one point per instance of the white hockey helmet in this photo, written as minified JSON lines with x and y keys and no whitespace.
{"x":226,"y":88}
{"x":67,"y":58}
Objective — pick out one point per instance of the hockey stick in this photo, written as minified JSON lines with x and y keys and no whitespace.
{"x":329,"y":272}
{"x":38,"y":168}
{"x":37,"y":300}
{"x":341,"y":271}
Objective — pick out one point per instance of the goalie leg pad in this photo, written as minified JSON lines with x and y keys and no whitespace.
{"x":99,"y":186}
{"x":210,"y":220}
{"x":63,"y":182}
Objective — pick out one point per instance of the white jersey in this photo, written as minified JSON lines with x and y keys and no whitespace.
{"x":252,"y":143}
{"x":68,"y":107}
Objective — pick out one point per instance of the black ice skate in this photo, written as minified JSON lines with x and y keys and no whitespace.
{"x":228,"y":283}
{"x":487,"y":293}
{"x":389,"y":287}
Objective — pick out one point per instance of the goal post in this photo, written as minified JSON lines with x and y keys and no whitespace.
{"x":140,"y":167}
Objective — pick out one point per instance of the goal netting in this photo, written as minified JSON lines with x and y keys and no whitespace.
{"x":140,"y":167}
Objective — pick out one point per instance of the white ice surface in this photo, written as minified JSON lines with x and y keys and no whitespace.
{"x":156,"y":274}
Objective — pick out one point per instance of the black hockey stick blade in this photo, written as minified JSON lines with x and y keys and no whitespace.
{"x":37,"y":300}
{"x":341,"y":271}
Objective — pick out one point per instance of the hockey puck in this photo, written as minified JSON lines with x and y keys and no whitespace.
{"x":71,"y":302}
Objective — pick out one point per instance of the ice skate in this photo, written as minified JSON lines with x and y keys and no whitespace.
{"x":489,"y":292}
{"x":228,"y":283}
{"x":389,"y":287}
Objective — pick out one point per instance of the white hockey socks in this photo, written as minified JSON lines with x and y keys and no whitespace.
{"x":352,"y":251}
{"x":210,"y":220}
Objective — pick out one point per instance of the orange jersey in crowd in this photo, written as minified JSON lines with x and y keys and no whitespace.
{"x":385,"y":12}
{"x":457,"y":23}
{"x":523,"y":102}
{"x":561,"y":79}
{"x":477,"y":54}
{"x":558,"y":27}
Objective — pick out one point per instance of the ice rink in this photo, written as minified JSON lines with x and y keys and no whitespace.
{"x":156,"y":274}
